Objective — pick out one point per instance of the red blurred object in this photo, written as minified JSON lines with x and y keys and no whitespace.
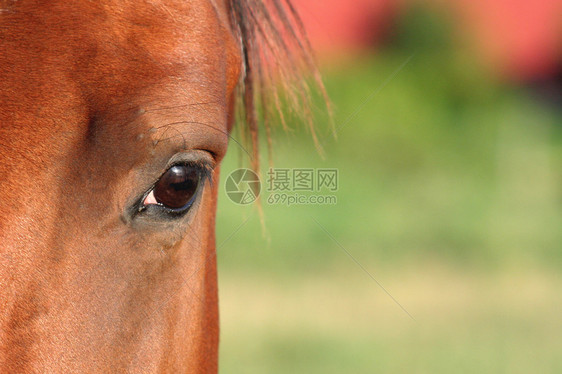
{"x":521,"y":39}
{"x":336,"y":26}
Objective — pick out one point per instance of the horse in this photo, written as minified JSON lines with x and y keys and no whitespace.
{"x":114,"y":118}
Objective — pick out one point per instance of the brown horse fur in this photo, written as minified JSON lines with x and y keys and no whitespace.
{"x":96,"y":97}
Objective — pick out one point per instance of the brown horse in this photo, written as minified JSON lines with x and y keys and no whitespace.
{"x":114,"y":117}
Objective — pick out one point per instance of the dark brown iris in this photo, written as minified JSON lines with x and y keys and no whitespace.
{"x":176,"y":187}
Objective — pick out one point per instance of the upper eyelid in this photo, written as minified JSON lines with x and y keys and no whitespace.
{"x":205,"y":165}
{"x":193,"y":157}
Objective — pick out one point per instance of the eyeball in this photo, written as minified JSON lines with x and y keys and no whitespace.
{"x":176,"y":188}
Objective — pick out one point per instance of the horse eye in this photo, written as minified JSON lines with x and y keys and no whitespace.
{"x":176,"y":188}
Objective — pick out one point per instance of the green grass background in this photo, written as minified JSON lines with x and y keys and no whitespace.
{"x":449,"y":196}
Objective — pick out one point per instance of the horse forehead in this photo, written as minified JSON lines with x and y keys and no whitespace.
{"x":67,"y":61}
{"x":123,"y":35}
{"x":101,"y":54}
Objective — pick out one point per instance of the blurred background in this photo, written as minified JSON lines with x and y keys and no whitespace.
{"x":443,"y":253}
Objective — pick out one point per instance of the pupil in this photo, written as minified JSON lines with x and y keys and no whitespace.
{"x":177,"y":186}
